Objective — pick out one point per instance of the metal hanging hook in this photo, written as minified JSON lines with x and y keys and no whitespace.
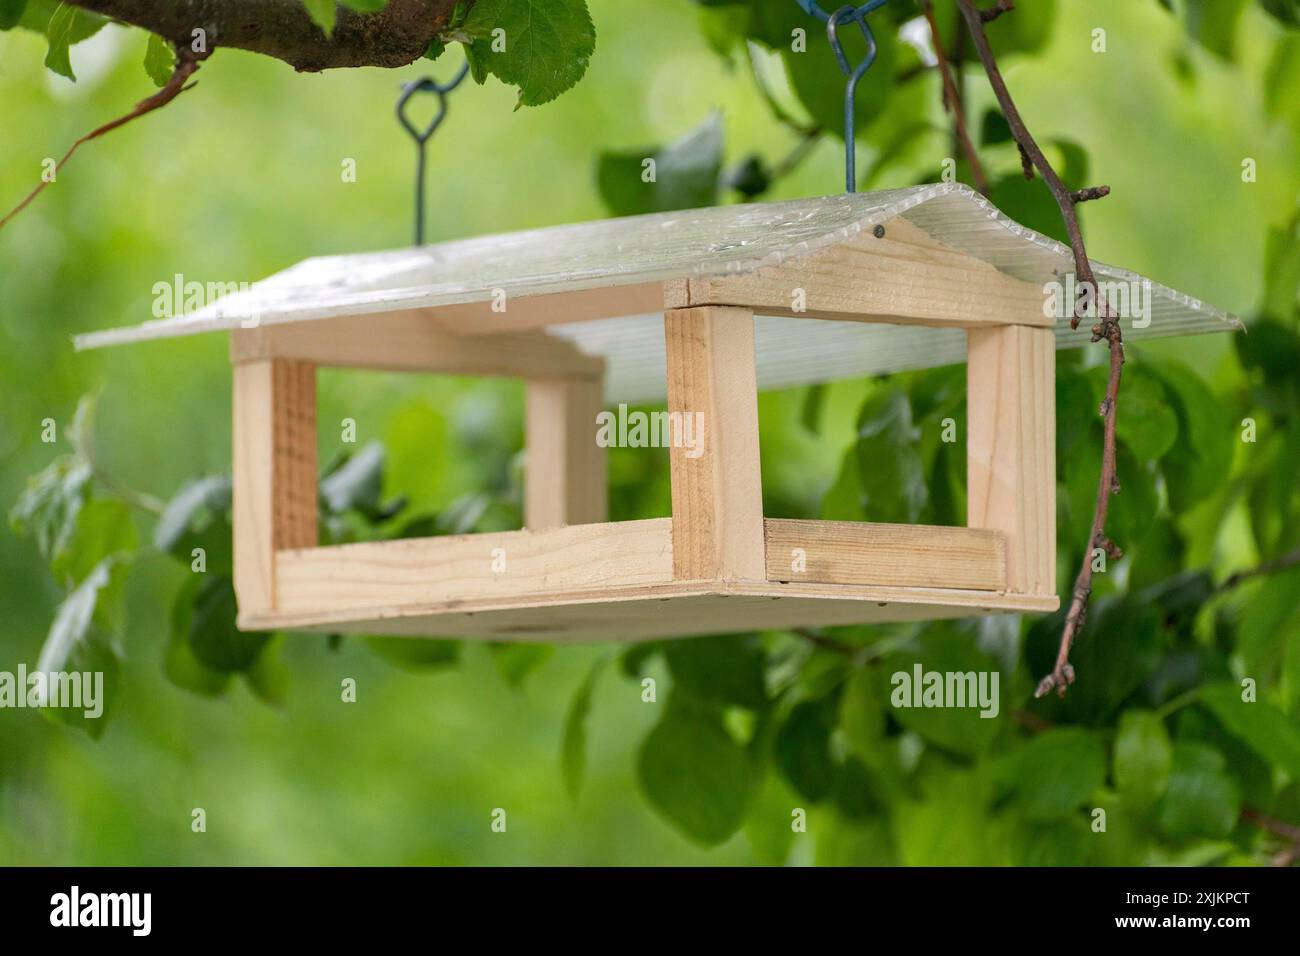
{"x":425,"y":85}
{"x":833,"y":22}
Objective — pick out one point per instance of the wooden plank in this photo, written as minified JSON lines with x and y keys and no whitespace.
{"x":904,"y":277}
{"x":565,"y":470}
{"x":717,"y":488}
{"x":454,"y":571}
{"x":1011,"y":449}
{"x":274,"y":468}
{"x":849,"y":552}
{"x":413,"y":341}
{"x":643,"y":612}
{"x":557,"y":308}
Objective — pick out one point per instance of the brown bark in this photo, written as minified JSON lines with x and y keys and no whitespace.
{"x":393,"y":37}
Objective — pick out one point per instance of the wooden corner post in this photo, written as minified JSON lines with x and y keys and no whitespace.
{"x":1011,"y":448}
{"x":717,"y":489}
{"x":274,"y":466}
{"x":564,"y":469}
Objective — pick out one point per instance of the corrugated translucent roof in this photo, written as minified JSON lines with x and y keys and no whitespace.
{"x":687,"y":244}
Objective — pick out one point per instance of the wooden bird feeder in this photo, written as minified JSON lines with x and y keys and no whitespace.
{"x":706,"y":307}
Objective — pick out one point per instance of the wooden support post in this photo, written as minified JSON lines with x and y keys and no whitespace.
{"x":1011,"y":448}
{"x":274,"y":465}
{"x":717,"y":488}
{"x":564,"y":469}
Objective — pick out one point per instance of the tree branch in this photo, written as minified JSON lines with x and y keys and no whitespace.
{"x":952,"y":102}
{"x":186,"y":64}
{"x":395,"y":36}
{"x":1281,"y":563}
{"x":992,"y":13}
{"x":1106,"y":329}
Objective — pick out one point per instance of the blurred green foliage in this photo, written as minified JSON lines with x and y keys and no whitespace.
{"x":775,"y":747}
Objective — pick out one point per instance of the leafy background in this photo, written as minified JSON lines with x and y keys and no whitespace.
{"x":241,"y":177}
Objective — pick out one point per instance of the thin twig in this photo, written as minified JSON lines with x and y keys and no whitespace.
{"x":1282,"y":563}
{"x":952,"y":102}
{"x":136,"y":499}
{"x":1279,"y":828}
{"x":992,"y":13}
{"x":826,"y":643}
{"x":1107,"y":329}
{"x":792,"y":159}
{"x":187,"y":62}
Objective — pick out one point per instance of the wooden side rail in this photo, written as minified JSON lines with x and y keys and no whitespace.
{"x":851,"y":552}
{"x":452,"y":570}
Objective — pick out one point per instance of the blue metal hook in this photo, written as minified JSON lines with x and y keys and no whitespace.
{"x":811,"y":8}
{"x":833,"y":22}
{"x":425,"y":85}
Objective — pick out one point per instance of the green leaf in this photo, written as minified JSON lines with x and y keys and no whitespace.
{"x":459,"y":14}
{"x":1215,"y":23}
{"x":726,"y":669}
{"x":437,"y":47}
{"x":1286,"y":11}
{"x":103,"y":528}
{"x":883,"y":475}
{"x":857,"y":793}
{"x":1195,"y":466}
{"x":810,"y":412}
{"x":724,"y":27}
{"x":750,"y":177}
{"x":944,"y":648}
{"x":515,"y":661}
{"x":855,"y":842}
{"x":819,"y":84}
{"x":67,"y":26}
{"x":1260,"y":725}
{"x":949,"y":826}
{"x":213,"y":637}
{"x":862,"y":712}
{"x":686,"y":173}
{"x":357,"y":482}
{"x":365,"y":6}
{"x":1145,"y":422}
{"x":802,"y":751}
{"x":1280,"y":101}
{"x":768,"y":828}
{"x":322,"y":13}
{"x":1291,"y":666}
{"x":547,"y":44}
{"x":1119,"y":648}
{"x":1053,"y":774}
{"x":159,"y":60}
{"x":11,"y":11}
{"x":995,"y":129}
{"x":83,"y":639}
{"x":268,"y":677}
{"x":180,"y":665}
{"x":1143,"y":757}
{"x":198,"y":518}
{"x":1029,"y":203}
{"x":49,"y":505}
{"x":1272,"y":348}
{"x":190,"y":511}
{"x":694,"y":775}
{"x":632,"y":662}
{"x":1201,"y":799}
{"x":475,"y":57}
{"x":81,"y":433}
{"x":573,"y":747}
{"x":416,"y":654}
